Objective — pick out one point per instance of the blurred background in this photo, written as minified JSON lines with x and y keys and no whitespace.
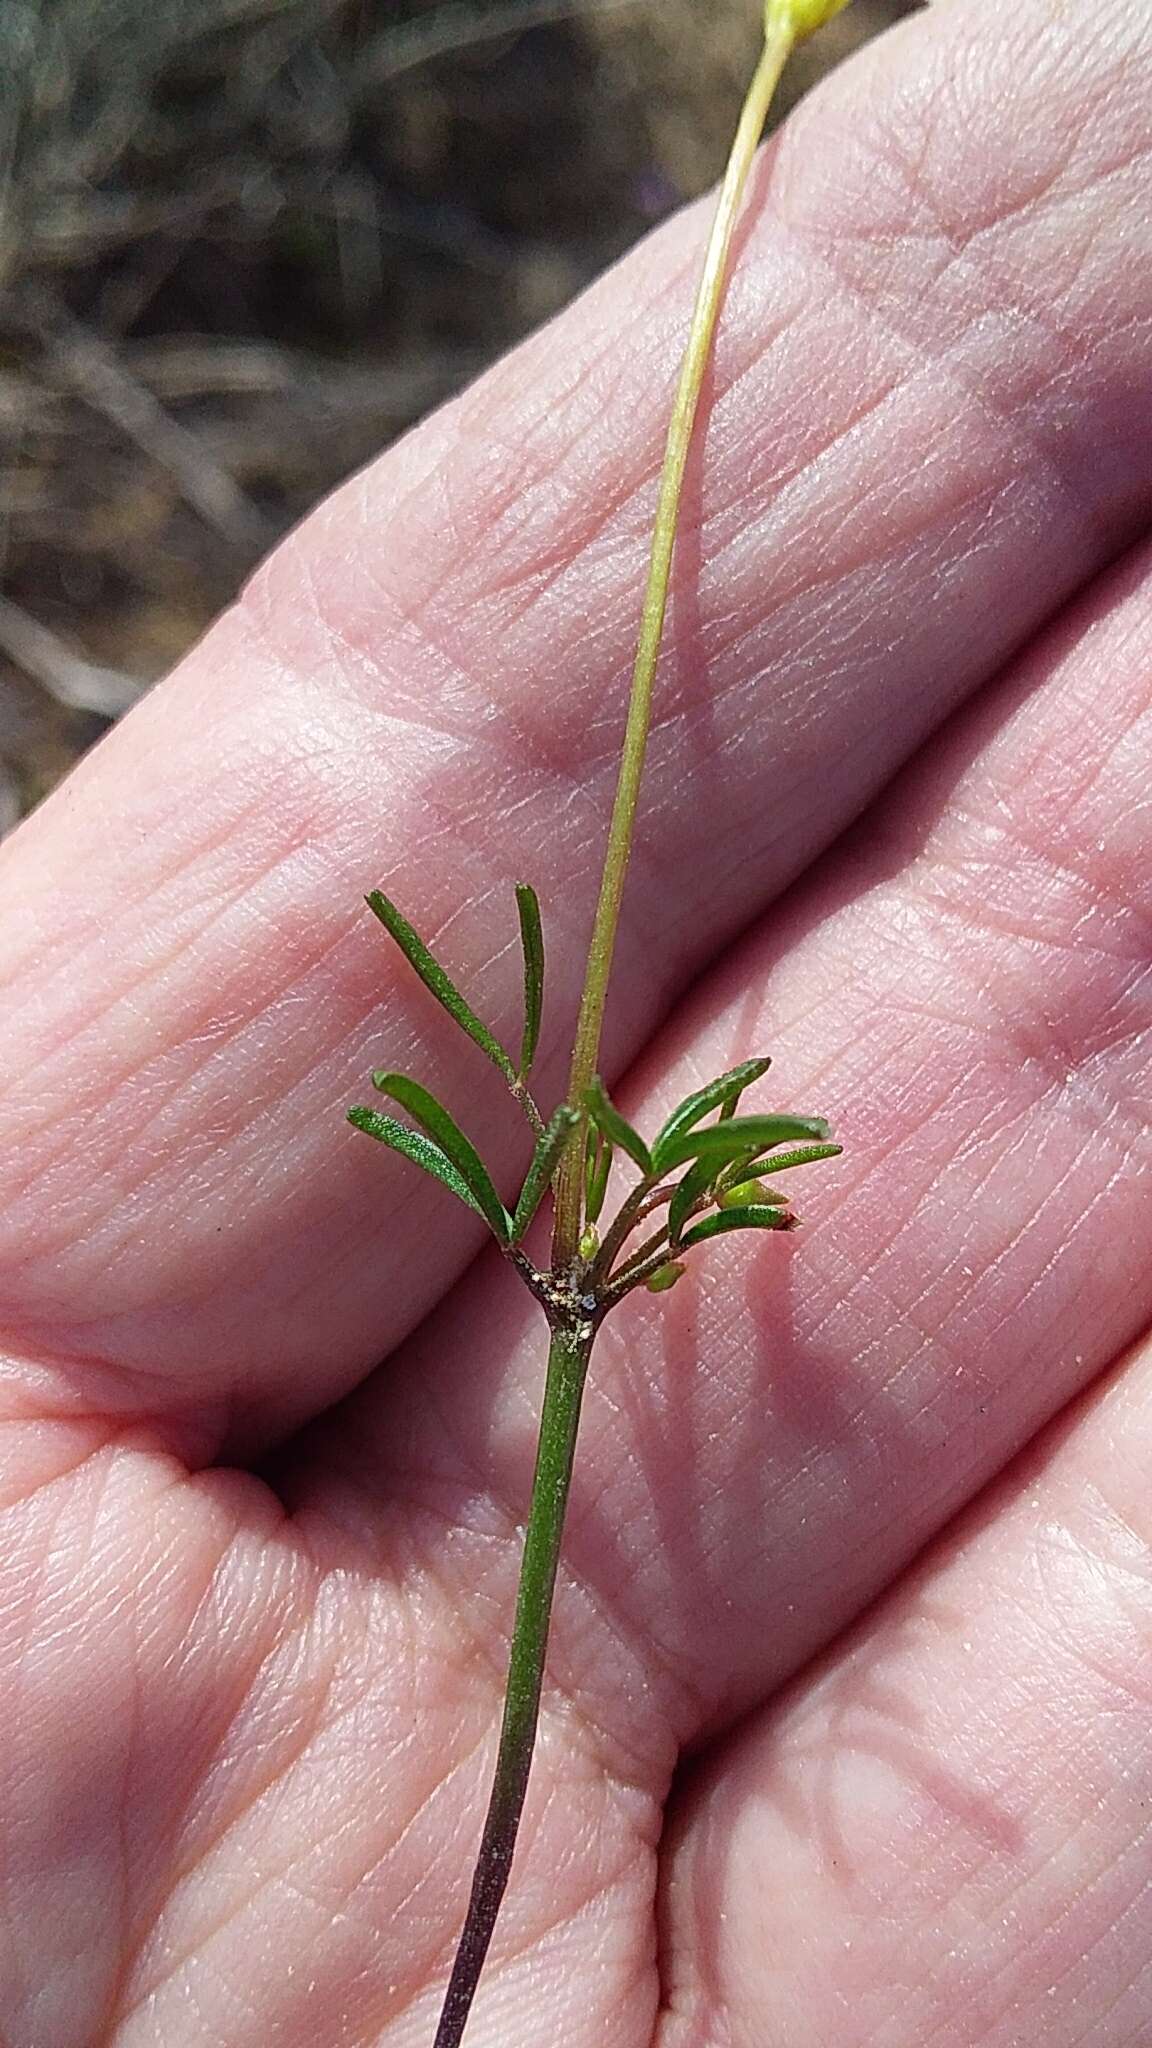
{"x":245,"y":243}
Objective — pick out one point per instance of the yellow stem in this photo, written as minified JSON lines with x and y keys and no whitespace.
{"x":780,"y":32}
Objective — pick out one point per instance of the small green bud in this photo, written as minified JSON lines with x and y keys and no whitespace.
{"x":665,"y":1276}
{"x":750,"y":1194}
{"x":590,"y":1242}
{"x":801,"y":17}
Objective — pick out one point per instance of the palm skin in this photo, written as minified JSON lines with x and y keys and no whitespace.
{"x":845,"y":1734}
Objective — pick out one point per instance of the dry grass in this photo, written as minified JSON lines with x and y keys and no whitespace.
{"x":243,"y":243}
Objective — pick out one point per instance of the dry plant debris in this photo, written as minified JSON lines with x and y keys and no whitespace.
{"x":244,"y":243}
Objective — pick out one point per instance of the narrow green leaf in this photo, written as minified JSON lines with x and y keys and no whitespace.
{"x":609,"y":1121}
{"x":597,"y":1167}
{"x":723,"y":1142}
{"x":415,"y":1147}
{"x":445,"y":1131}
{"x":434,"y":978}
{"x":695,"y":1184}
{"x":752,"y":1218}
{"x":532,"y":947}
{"x":780,"y":1162}
{"x":747,"y":1164}
{"x":545,"y":1160}
{"x":722,"y":1094}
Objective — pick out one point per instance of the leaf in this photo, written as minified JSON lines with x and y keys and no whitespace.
{"x":744,"y":1162}
{"x":597,"y":1167}
{"x":665,"y":1277}
{"x":609,"y":1121}
{"x":545,"y":1160}
{"x":434,"y":1118}
{"x":779,"y":1162}
{"x":434,"y":978}
{"x":723,"y":1094}
{"x":751,"y":1218}
{"x":410,"y":1143}
{"x":695,"y":1184}
{"x":739,"y":1136}
{"x":532,"y":947}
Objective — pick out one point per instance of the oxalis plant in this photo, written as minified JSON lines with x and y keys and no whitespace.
{"x":702,"y":1175}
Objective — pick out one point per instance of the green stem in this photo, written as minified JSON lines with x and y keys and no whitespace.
{"x":567,"y":1370}
{"x":778,"y":41}
{"x":658,"y":1242}
{"x":640,"y":1204}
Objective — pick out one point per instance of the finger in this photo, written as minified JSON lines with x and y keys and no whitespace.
{"x":425,"y":688}
{"x":943,"y":1836}
{"x":968,"y":996}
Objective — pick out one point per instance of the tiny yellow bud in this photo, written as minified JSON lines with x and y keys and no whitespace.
{"x":801,"y":17}
{"x":665,"y":1276}
{"x":590,"y":1242}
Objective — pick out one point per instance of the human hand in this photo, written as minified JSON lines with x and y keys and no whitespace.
{"x":895,"y":833}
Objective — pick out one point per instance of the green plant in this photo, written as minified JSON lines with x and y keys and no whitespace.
{"x":702,"y":1174}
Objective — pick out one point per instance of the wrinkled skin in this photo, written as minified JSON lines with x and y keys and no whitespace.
{"x":846,"y":1733}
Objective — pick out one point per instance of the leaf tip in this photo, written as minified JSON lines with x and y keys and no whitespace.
{"x":665,"y":1276}
{"x":616,"y":1128}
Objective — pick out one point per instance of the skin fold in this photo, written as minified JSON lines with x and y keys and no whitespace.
{"x":845,"y":1733}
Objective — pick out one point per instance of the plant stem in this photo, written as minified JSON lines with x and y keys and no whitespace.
{"x":658,"y":1242}
{"x":779,"y":37}
{"x":640,"y":1204}
{"x":567,"y":1370}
